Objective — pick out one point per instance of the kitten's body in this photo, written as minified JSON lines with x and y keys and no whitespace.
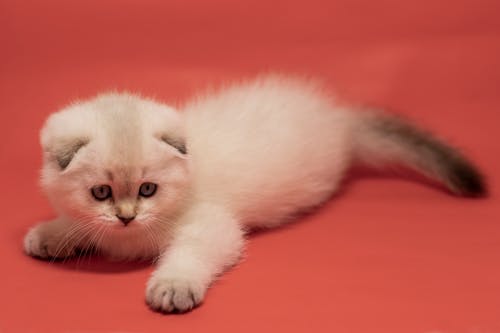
{"x":267,"y":148}
{"x":257,"y":153}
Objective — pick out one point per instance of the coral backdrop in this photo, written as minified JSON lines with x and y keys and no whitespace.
{"x":386,"y":255}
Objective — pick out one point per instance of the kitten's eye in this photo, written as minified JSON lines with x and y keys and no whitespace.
{"x":147,"y":190}
{"x":101,"y":192}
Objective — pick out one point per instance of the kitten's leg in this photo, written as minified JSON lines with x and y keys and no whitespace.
{"x":208,"y":240}
{"x":51,"y":239}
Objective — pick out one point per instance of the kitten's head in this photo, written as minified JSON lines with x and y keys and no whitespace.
{"x":115,"y":163}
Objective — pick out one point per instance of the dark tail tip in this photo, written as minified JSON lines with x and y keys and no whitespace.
{"x":421,"y":151}
{"x":465,"y":179}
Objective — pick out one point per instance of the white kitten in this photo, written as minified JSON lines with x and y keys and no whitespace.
{"x":133,"y":178}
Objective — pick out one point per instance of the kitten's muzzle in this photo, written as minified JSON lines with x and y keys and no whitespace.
{"x":125,"y":219}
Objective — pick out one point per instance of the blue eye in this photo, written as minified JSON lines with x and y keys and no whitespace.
{"x":147,"y":190}
{"x":101,"y":192}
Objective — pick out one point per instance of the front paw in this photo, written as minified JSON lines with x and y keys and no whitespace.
{"x":173,"y":294}
{"x":41,"y":244}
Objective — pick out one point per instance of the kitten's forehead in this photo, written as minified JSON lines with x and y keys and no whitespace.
{"x":130,"y":131}
{"x":127,"y":139}
{"x":124,"y":135}
{"x":122,"y":173}
{"x":133,"y":159}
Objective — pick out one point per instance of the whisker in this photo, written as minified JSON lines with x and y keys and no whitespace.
{"x":101,"y":238}
{"x":83,"y":252}
{"x":68,"y":238}
{"x":150,"y":236}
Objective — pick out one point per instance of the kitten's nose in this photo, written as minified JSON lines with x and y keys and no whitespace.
{"x":125,"y":219}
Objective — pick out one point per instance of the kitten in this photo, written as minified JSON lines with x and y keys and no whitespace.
{"x":132,"y":178}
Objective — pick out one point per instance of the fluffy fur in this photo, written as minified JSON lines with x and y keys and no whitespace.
{"x":251,"y":155}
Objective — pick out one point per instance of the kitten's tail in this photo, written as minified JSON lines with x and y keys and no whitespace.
{"x":382,"y":139}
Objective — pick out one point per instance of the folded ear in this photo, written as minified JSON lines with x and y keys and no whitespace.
{"x":170,"y":129}
{"x":64,"y":150}
{"x":62,"y":136}
{"x":176,"y":142}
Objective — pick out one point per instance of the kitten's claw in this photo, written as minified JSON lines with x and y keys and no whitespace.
{"x":40,"y":245}
{"x":173,"y":295}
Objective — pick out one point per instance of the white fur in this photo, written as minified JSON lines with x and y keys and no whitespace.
{"x":123,"y":133}
{"x":258,"y":153}
{"x":267,"y":148}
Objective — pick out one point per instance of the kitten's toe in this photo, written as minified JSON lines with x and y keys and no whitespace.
{"x":173,"y":295}
{"x":36,"y":244}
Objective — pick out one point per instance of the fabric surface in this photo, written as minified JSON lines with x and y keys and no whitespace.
{"x":387,"y":254}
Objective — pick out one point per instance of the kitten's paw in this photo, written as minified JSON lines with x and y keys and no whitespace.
{"x":173,"y":295}
{"x":39,"y":244}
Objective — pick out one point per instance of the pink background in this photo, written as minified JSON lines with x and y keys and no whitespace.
{"x":386,"y":255}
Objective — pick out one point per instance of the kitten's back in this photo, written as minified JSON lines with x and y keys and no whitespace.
{"x":268,"y":147}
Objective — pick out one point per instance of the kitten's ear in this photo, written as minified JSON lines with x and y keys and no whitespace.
{"x":62,"y":137}
{"x":176,"y":142}
{"x":170,"y":129}
{"x":63,"y":151}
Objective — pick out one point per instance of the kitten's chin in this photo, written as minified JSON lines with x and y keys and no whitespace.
{"x":134,"y":241}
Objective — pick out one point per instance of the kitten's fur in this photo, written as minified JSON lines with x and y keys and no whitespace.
{"x":257,"y":153}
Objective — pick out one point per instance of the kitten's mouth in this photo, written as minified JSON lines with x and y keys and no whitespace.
{"x":122,"y":226}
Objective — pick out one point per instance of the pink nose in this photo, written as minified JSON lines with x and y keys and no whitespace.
{"x":125,"y":219}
